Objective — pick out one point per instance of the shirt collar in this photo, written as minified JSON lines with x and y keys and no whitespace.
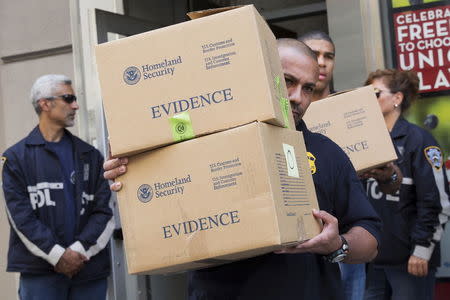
{"x":35,"y":138}
{"x":400,"y":128}
{"x":302,"y":126}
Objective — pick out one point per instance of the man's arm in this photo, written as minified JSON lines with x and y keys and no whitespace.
{"x":96,"y":233}
{"x":362,"y":244}
{"x":433,"y":207}
{"x":35,"y":235}
{"x":355,"y":218}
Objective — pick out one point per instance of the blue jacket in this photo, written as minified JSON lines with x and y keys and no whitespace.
{"x":33,"y":186}
{"x":413,"y":218}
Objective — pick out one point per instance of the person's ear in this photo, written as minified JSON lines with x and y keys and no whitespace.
{"x":45,"y":104}
{"x":398,"y":98}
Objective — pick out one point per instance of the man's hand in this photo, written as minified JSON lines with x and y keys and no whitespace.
{"x":325,"y":242}
{"x":417,"y":266}
{"x":362,"y":244}
{"x":113,"y":169}
{"x":70,"y":263}
{"x":383,"y":176}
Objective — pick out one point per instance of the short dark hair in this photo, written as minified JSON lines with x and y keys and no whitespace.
{"x":298,"y":45}
{"x":406,"y":82}
{"x":316,"y":35}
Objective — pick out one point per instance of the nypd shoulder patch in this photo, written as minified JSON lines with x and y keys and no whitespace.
{"x":434,"y":156}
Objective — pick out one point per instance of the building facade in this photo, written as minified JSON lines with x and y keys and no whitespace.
{"x":53,"y":36}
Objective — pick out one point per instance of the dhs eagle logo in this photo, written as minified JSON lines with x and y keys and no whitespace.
{"x":145,"y":193}
{"x":131,"y":75}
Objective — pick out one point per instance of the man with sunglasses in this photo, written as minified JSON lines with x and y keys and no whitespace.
{"x":57,"y":202}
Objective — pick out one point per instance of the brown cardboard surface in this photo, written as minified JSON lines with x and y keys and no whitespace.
{"x":239,"y":177}
{"x":354,"y":121}
{"x":221,"y":70}
{"x":208,"y":12}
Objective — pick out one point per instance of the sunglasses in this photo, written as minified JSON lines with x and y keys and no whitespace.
{"x":68,"y":98}
{"x":378,"y":92}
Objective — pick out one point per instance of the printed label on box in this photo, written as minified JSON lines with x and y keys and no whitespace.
{"x":291,"y":162}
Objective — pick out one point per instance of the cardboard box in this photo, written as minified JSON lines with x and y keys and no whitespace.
{"x":191,"y":79}
{"x":215,"y":199}
{"x":354,"y":121}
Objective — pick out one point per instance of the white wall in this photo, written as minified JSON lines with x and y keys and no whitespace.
{"x":16,"y":80}
{"x":355,"y":28}
{"x":30,"y":29}
{"x":33,"y":25}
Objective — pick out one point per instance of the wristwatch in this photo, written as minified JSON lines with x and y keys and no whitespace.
{"x":391,"y":179}
{"x":340,"y":254}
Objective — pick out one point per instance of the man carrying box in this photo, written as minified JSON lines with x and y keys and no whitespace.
{"x":389,"y":176}
{"x":351,"y":227}
{"x":353,"y":275}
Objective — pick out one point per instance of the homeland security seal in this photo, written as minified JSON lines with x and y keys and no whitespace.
{"x":145,"y":193}
{"x":131,"y":75}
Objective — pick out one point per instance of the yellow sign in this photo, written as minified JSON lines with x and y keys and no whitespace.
{"x":405,"y":3}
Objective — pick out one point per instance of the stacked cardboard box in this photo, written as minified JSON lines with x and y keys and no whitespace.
{"x":191,"y":79}
{"x":237,"y":187}
{"x":354,"y":121}
{"x":217,"y":198}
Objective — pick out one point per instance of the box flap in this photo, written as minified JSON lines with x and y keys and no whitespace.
{"x":207,"y":12}
{"x":340,"y":92}
{"x":346,"y":91}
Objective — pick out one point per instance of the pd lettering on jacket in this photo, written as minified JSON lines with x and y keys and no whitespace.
{"x":40,"y":194}
{"x":376,"y":193}
{"x":204,"y":223}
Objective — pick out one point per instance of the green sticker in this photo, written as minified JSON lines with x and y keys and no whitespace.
{"x":181,"y":126}
{"x":284,"y":102}
{"x":285,"y":110}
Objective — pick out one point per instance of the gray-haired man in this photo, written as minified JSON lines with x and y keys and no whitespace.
{"x":57,"y":203}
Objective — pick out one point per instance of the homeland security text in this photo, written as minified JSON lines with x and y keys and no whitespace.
{"x":175,"y":186}
{"x":165,"y":67}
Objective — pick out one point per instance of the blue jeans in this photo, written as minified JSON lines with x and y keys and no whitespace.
{"x":59,"y":287}
{"x":397,"y":284}
{"x":353,"y":280}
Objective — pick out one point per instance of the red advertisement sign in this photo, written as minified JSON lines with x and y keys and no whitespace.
{"x":422,"y":43}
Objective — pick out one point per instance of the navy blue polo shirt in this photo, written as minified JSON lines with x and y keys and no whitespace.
{"x":297,"y":276}
{"x":64,"y":150}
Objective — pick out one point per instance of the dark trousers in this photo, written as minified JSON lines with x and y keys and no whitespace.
{"x":396,"y":283}
{"x":58,"y":287}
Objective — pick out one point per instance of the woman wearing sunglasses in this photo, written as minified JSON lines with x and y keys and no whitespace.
{"x":409,"y":252}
